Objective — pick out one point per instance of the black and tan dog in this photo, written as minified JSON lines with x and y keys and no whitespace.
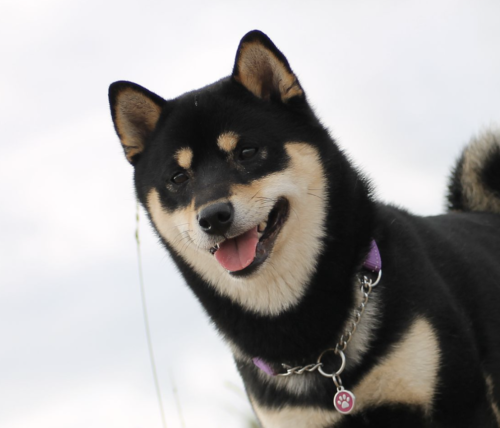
{"x":280,"y":239}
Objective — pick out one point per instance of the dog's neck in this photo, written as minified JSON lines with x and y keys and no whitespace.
{"x":372,"y":263}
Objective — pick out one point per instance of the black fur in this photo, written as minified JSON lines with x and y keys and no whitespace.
{"x":444,"y":268}
{"x":455,"y":189}
{"x":490,"y":173}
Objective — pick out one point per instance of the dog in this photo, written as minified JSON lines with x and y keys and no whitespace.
{"x":281,"y":240}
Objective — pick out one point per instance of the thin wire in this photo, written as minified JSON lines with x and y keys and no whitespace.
{"x":146,"y":321}
{"x":177,"y":401}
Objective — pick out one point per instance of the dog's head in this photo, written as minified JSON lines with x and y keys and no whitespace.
{"x":233,"y":176}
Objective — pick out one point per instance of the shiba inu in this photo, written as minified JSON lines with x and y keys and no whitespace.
{"x":284,"y":245}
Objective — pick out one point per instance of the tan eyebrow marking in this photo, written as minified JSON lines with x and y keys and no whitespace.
{"x":184,"y":157}
{"x":227,"y":141}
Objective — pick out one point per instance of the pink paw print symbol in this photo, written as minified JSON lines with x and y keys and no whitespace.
{"x":344,"y":401}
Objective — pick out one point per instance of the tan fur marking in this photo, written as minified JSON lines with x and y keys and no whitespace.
{"x":258,"y":68}
{"x":407,"y":375}
{"x":296,"y":417}
{"x":135,"y":116}
{"x":282,"y":280}
{"x":478,"y":197}
{"x":184,"y":157}
{"x":494,"y":405}
{"x":227,"y":141}
{"x":174,"y":226}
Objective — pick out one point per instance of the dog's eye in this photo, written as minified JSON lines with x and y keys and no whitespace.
{"x":179,"y":178}
{"x":248,"y":152}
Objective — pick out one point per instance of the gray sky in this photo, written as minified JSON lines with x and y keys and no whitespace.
{"x":401,"y":85}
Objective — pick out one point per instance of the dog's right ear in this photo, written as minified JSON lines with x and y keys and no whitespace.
{"x":135,"y":112}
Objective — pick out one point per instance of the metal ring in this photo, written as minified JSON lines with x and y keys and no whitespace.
{"x":366,"y":289}
{"x":338,"y":382}
{"x":353,"y":329}
{"x":362,"y":306}
{"x":378,"y":278}
{"x":342,"y":366}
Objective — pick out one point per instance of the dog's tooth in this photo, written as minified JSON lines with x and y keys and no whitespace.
{"x":262,"y":227}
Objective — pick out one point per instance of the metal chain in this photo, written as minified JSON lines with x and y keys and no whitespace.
{"x":366,"y":289}
{"x":299,"y":369}
{"x":366,"y":286}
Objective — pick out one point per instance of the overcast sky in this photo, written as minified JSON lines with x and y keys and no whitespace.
{"x":401,"y":85}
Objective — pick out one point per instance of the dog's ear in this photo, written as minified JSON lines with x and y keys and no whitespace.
{"x":263,"y":69}
{"x":135,"y":112}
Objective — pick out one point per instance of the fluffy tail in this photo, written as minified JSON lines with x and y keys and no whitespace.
{"x":475,"y":180}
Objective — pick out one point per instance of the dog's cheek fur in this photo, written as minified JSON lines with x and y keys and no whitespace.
{"x":280,"y":283}
{"x":173,"y":226}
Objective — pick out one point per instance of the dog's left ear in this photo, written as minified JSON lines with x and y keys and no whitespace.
{"x":263,"y":69}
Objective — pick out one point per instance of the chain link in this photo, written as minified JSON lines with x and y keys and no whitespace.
{"x":299,"y":370}
{"x":366,"y":287}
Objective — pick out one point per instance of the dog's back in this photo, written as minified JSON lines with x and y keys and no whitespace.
{"x":447,"y":267}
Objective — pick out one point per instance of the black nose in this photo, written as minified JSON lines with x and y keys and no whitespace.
{"x":216,"y":219}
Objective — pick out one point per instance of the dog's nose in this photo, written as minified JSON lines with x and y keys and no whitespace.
{"x":216,"y":219}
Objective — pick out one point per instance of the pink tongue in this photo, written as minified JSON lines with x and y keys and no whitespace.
{"x":237,"y":253}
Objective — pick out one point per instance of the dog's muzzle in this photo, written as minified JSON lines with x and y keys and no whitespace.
{"x":241,"y":255}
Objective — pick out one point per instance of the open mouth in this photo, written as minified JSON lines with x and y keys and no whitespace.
{"x":244,"y":253}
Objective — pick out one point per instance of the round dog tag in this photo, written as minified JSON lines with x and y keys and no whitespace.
{"x":344,"y":401}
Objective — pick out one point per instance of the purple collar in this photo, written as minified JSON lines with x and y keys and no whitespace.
{"x":372,"y":262}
